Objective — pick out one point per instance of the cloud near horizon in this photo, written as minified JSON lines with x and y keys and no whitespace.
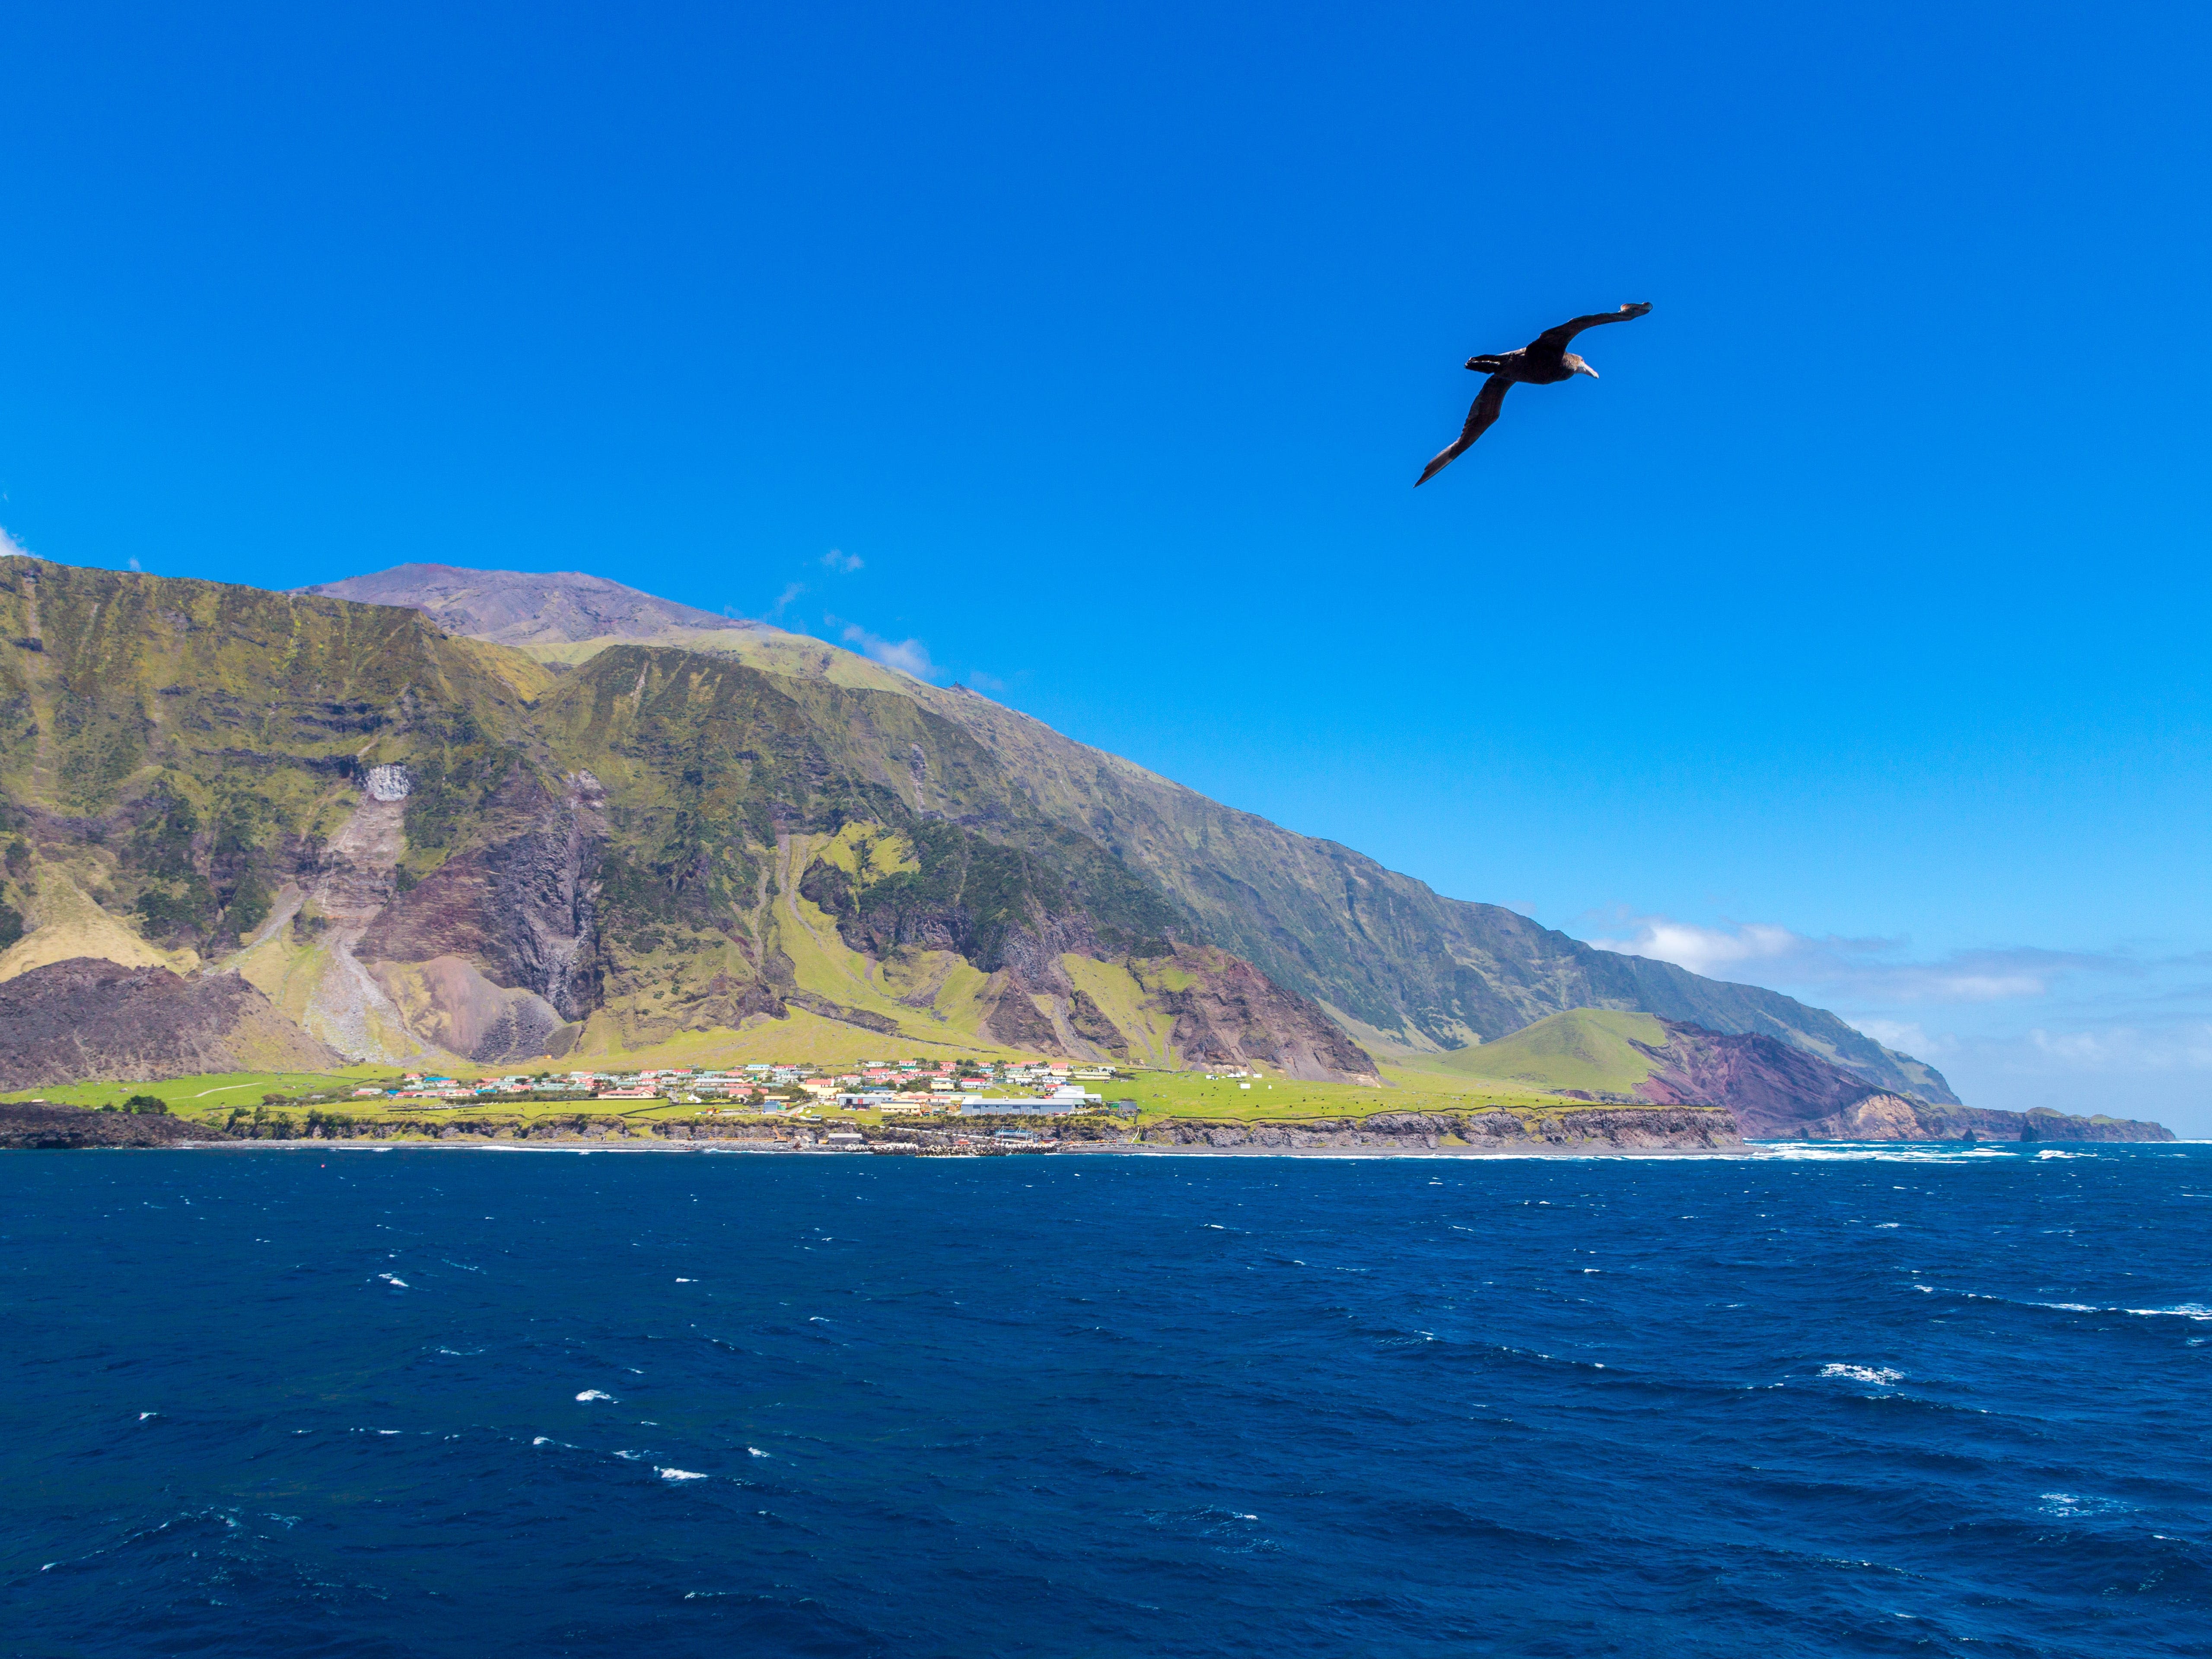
{"x":12,"y":548}
{"x":1866,"y":970}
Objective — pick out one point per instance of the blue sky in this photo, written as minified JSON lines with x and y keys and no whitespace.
{"x":1848,"y":636}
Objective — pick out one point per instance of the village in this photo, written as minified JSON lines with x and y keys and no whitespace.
{"x":890,"y":1088}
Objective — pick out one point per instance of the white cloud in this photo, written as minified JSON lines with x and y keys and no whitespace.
{"x":844,"y":563}
{"x":12,"y":548}
{"x":2186,"y":1047}
{"x":907,"y":656}
{"x":1708,"y":950}
{"x":1907,"y":1036}
{"x":1864,"y":969}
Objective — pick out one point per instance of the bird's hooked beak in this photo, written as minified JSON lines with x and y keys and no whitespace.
{"x":1584,"y":368}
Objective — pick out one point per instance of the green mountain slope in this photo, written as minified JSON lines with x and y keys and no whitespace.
{"x":1406,"y":971}
{"x":1590,"y":1050}
{"x":420,"y":846}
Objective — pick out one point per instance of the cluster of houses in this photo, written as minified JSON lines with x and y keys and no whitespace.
{"x":892,"y":1087}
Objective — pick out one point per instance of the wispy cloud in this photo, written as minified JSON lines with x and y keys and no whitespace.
{"x":1908,"y":1036}
{"x":907,"y":656}
{"x":12,"y":548}
{"x":984,"y":681}
{"x":1865,"y":970}
{"x":844,"y":563}
{"x":783,"y":601}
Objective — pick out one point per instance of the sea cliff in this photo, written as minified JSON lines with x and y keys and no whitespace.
{"x":1894,"y":1117}
{"x":34,"y":1126}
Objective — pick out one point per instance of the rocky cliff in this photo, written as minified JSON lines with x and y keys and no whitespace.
{"x":1892,"y":1118}
{"x":34,"y":1125}
{"x":1594,"y":1129}
{"x":1778,"y":1092}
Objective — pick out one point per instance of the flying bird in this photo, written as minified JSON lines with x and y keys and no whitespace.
{"x":1545,"y":361}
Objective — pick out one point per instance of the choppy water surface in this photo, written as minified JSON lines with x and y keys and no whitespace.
{"x":483,"y":1403}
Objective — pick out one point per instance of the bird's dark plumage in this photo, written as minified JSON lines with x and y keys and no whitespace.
{"x":1545,"y":361}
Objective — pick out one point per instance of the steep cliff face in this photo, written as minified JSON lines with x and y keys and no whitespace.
{"x":34,"y":1125}
{"x":1770,"y":1087}
{"x":1891,"y":1117}
{"x":1777,"y":1092}
{"x":520,"y":905}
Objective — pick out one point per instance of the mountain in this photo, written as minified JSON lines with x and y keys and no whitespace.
{"x":642,"y":825}
{"x":1773,"y":1089}
{"x":513,"y":609}
{"x":1404,"y":970}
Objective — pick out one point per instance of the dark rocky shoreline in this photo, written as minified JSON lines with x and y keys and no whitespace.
{"x":1701,"y":1131}
{"x":34,"y":1126}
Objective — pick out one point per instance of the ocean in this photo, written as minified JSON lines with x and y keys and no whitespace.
{"x":484,"y":1402}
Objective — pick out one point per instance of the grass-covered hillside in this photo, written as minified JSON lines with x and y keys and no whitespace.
{"x":426,"y":847}
{"x":1595,"y":1050}
{"x":1406,"y":971}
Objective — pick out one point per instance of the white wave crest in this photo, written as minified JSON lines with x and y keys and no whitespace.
{"x":1878,"y":1374}
{"x":680,"y":1474}
{"x":594,"y":1393}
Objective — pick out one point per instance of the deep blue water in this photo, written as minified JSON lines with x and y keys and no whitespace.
{"x":480,"y":1403}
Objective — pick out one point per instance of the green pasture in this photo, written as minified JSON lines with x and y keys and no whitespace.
{"x":1159,"y":1095}
{"x":198,"y":1097}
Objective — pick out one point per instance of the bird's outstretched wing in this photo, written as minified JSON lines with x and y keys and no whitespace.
{"x":1554,"y":340}
{"x":1487,"y":403}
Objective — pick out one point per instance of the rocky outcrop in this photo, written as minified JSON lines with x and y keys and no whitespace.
{"x":1895,"y":1117}
{"x":521,"y":907}
{"x":34,"y":1126}
{"x":1227,"y":1012}
{"x":88,"y":1019}
{"x":1777,"y":1092}
{"x":1592,"y":1129}
{"x":1769,"y":1085}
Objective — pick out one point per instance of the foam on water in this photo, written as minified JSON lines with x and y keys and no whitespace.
{"x":1864,"y":1373}
{"x":1405,"y":1408}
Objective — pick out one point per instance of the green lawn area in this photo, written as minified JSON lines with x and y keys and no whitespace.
{"x":1189,"y":1094}
{"x":196,"y":1096}
{"x":1158,"y":1095}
